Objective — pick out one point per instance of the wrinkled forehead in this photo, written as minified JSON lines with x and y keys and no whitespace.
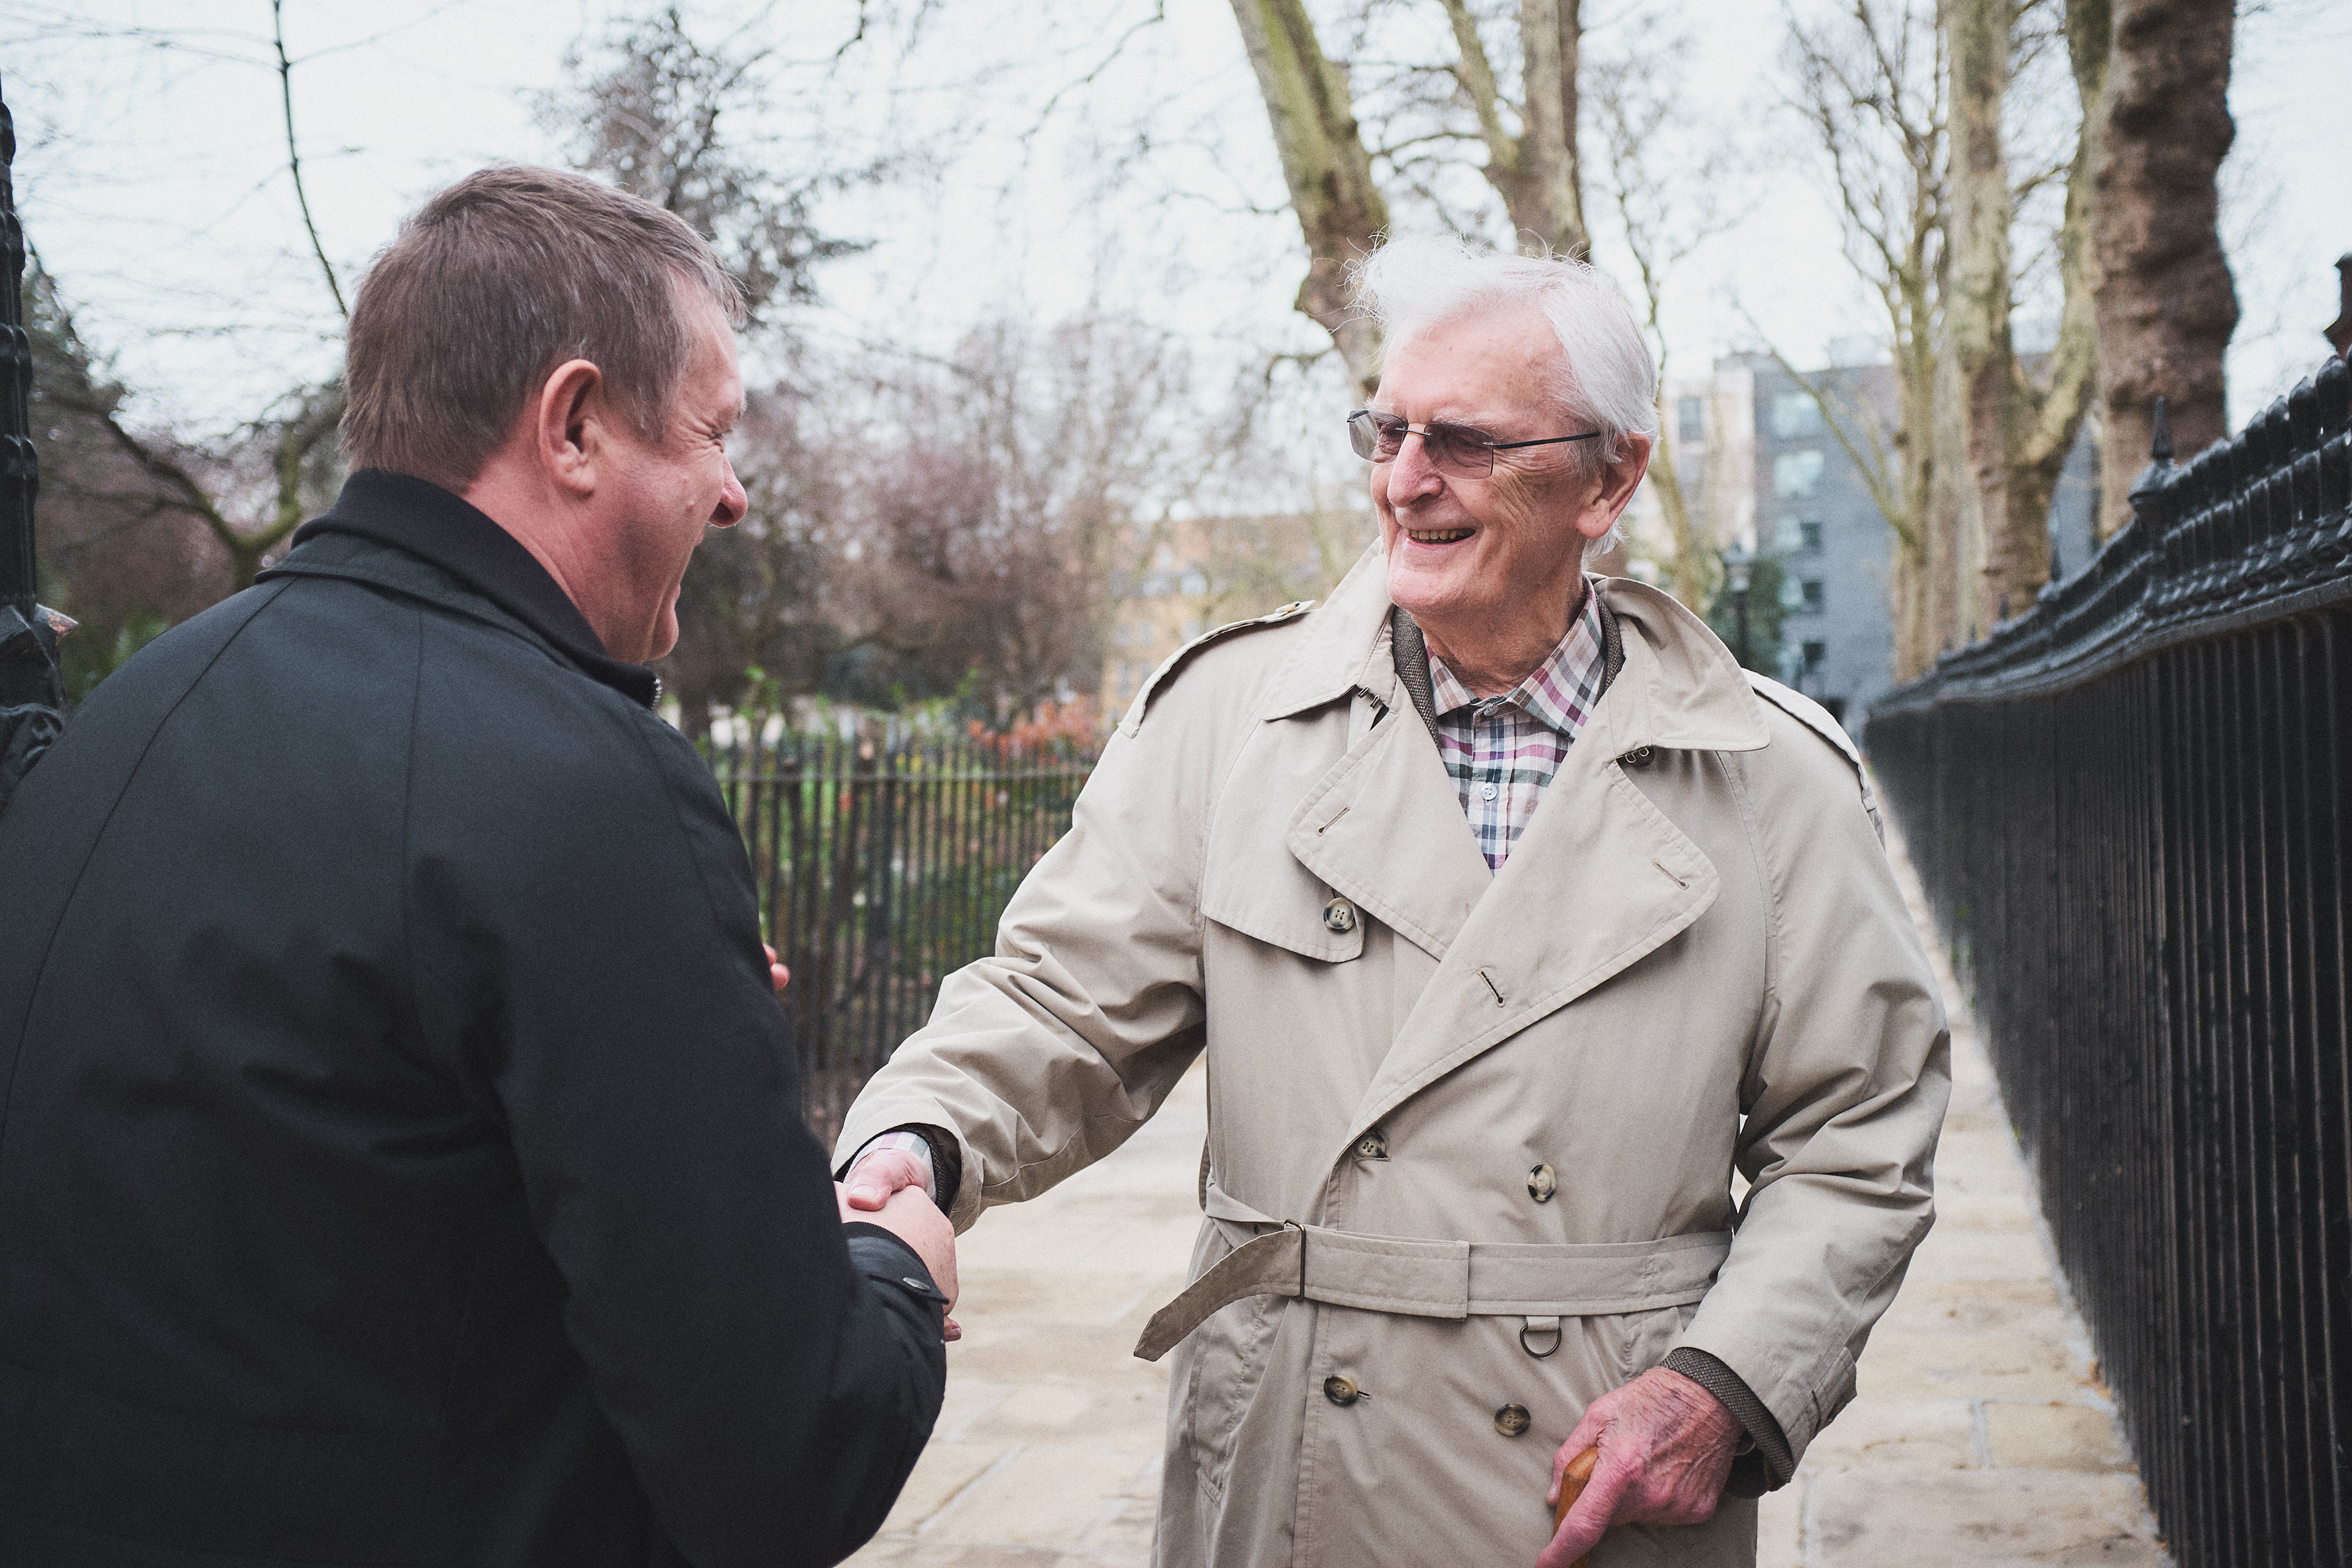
{"x":1492,"y":355}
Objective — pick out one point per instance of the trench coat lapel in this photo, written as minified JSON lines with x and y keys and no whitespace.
{"x":1385,"y":828}
{"x":1600,"y":879}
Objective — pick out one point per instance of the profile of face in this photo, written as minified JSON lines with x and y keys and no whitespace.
{"x":667,"y":491}
{"x":1474,"y":557}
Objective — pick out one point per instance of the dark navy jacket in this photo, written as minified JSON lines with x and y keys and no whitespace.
{"x":400,"y":1150}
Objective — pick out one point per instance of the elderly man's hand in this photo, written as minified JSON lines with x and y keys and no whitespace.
{"x":1666,"y":1451}
{"x":915,"y":1221}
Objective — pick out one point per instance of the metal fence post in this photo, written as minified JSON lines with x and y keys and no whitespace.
{"x":32,"y":695}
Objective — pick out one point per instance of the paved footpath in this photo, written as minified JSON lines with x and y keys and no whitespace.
{"x":1982,"y":1434}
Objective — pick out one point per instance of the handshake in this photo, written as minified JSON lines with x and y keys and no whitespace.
{"x":890,"y":1187}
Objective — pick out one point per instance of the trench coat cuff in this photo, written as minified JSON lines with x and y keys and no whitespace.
{"x":958,"y":1199}
{"x":946,"y":1159}
{"x":1766,"y":1465}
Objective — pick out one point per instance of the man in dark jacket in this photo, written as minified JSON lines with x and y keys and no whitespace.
{"x":400,"y":1157}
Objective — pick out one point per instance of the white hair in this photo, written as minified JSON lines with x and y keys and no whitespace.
{"x":1606,"y":379}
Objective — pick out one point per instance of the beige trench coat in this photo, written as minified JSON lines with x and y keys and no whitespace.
{"x":1694,"y":960}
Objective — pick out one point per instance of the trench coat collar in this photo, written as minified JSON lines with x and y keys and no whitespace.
{"x":1679,"y":688}
{"x":1600,"y":879}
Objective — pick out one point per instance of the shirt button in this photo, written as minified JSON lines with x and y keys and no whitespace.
{"x":1487,"y":793}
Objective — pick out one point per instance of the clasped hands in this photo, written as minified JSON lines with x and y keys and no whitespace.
{"x":886,"y":1189}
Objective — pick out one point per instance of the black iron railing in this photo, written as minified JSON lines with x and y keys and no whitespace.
{"x":2132,"y":809}
{"x":884,"y":864}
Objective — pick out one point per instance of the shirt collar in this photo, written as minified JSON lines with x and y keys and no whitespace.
{"x":1558,"y":694}
{"x":437,"y":526}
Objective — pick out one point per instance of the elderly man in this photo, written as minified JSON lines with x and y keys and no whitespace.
{"x":402,"y":1159}
{"x":1515,"y":922}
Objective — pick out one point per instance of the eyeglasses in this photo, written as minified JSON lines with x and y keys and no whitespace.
{"x":1461,"y":450}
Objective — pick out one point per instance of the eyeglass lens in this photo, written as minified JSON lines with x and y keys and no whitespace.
{"x":1453,"y":448}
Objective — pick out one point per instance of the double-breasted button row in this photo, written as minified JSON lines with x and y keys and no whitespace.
{"x":1512,"y":1420}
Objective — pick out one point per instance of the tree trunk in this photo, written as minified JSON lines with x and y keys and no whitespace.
{"x":1552,"y":197}
{"x":1341,"y":213}
{"x":2166,"y":303}
{"x":1977,"y":303}
{"x":2044,"y":418}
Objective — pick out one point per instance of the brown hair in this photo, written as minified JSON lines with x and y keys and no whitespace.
{"x":491,"y":286}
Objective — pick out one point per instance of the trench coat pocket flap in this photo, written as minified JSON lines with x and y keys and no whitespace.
{"x":1275,"y":899}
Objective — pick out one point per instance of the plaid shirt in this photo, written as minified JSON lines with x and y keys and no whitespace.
{"x":1501,"y":751}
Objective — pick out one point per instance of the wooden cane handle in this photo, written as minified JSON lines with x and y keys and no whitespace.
{"x":1571,"y":1486}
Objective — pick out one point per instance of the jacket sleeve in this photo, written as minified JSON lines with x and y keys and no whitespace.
{"x":1844,"y":1098}
{"x":1045,"y":1057}
{"x":587,"y":949}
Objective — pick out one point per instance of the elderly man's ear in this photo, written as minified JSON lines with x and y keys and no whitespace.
{"x":571,"y":434}
{"x":1615,"y":486}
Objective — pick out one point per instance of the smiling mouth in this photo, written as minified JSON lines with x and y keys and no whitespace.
{"x":1437,"y":536}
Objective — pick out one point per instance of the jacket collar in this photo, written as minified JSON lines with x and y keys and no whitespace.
{"x":423,"y":520}
{"x":1679,"y":687}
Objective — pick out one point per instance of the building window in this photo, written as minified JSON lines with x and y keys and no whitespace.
{"x":1815,"y":654}
{"x":1795,"y":413}
{"x":1194,"y":580}
{"x":1809,"y":596}
{"x":1792,"y":534}
{"x":1690,"y":420}
{"x":1795,"y":474}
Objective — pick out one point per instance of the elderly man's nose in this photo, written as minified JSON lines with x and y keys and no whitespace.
{"x":1411,"y":473}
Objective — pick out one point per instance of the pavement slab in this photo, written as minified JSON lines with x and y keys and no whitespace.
{"x":1981,"y":1435}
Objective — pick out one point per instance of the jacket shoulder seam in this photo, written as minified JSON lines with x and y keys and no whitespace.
{"x":1174,"y":663}
{"x":40,"y":971}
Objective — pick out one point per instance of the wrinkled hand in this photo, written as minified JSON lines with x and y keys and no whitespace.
{"x":881,"y":1176}
{"x":1666,"y":1451}
{"x":777,"y":973}
{"x":915,"y":1221}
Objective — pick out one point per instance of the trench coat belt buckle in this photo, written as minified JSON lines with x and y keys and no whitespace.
{"x":1443,"y":1279}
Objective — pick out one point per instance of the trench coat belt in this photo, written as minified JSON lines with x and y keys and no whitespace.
{"x":1444,"y":1279}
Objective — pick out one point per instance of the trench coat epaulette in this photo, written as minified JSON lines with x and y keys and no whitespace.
{"x":1183,"y":656}
{"x":1817,"y":718}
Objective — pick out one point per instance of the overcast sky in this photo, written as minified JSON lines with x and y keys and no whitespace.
{"x":151,"y":173}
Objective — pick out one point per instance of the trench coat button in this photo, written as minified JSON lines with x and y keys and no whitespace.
{"x":1339,"y":915}
{"x":1373,"y":1145}
{"x":1542,"y":1183}
{"x":1513,"y":1420}
{"x":1340,"y":1390}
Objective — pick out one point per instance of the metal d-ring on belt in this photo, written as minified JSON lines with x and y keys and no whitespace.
{"x":1447,"y":1279}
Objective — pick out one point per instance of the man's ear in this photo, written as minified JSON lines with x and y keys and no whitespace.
{"x":568,"y":430}
{"x":1615,"y":486}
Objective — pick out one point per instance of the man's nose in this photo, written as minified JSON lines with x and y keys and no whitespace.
{"x":732,"y":502}
{"x":1411,"y":473}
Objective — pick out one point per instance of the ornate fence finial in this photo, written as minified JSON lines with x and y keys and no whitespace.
{"x":2340,"y":331}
